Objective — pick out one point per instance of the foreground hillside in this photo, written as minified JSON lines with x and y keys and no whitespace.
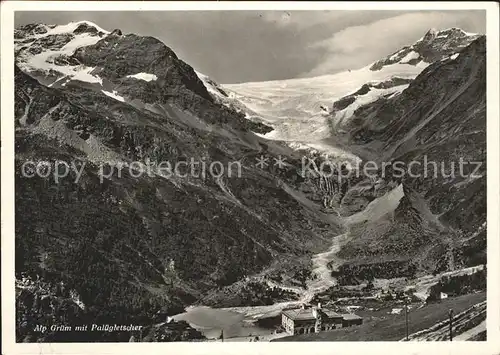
{"x":383,"y":326}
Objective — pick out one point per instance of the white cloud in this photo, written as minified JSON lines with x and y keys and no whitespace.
{"x":357,"y":46}
{"x":302,"y":19}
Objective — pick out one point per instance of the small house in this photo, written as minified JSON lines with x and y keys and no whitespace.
{"x":350,"y":319}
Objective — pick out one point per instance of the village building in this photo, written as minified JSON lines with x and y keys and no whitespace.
{"x":349,"y":320}
{"x":306,"y":320}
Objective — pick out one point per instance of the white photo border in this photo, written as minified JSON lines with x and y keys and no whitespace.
{"x":490,"y":346}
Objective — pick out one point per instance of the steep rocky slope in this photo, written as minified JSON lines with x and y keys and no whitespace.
{"x":423,"y":135}
{"x":228,"y":98}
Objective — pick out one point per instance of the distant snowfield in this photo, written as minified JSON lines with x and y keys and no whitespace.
{"x":298,"y":109}
{"x":295,"y":108}
{"x":303,"y":98}
{"x":410,"y":56}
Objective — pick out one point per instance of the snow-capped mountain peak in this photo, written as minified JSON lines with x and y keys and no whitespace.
{"x":43,"y":30}
{"x":140,"y":71}
{"x":46,"y":50}
{"x":433,"y":46}
{"x":431,"y":34}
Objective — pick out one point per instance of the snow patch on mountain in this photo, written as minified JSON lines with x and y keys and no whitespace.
{"x":45,"y":62}
{"x":433,"y":46}
{"x":82,"y":40}
{"x":410,"y":56}
{"x":114,"y":95}
{"x":70,"y":27}
{"x":83,"y":73}
{"x":143,"y":76}
{"x":42,"y":53}
{"x":361,"y":100}
{"x":455,"y":29}
{"x":213,"y":88}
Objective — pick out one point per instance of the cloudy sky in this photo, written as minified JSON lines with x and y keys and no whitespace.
{"x":242,"y":46}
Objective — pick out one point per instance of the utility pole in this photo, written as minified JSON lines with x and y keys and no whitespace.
{"x":451,"y":324}
{"x":406,"y":317}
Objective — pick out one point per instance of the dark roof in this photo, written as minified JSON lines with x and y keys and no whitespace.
{"x":350,"y":316}
{"x":331,"y":314}
{"x":307,"y":313}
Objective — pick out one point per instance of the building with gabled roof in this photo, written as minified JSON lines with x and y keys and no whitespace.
{"x":307,"y":319}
